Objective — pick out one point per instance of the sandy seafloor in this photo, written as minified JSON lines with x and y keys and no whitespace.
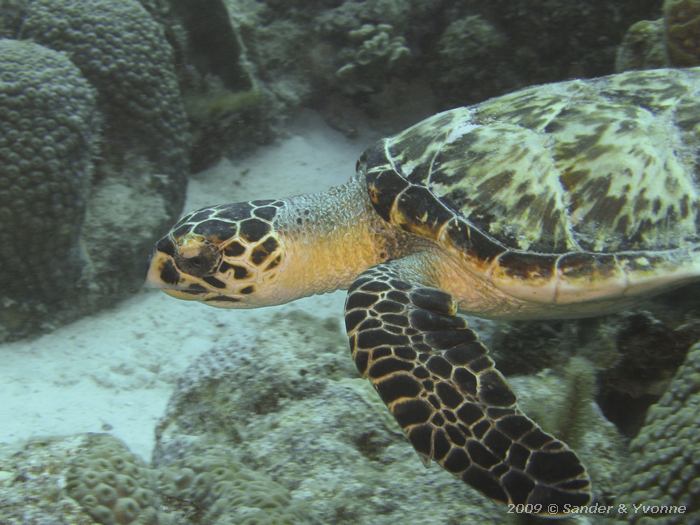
{"x":114,"y":371}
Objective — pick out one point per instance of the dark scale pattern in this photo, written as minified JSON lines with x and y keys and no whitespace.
{"x":266,"y":212}
{"x":236,"y":211}
{"x":234,"y":249}
{"x":264,"y":250}
{"x":222,"y":250}
{"x":528,"y":265}
{"x":253,"y":230}
{"x":416,"y":210}
{"x":383,"y":186}
{"x":215,"y":229}
{"x":453,"y":405}
{"x":274,"y":263}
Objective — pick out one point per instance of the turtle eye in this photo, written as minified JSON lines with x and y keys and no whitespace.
{"x":199,"y":264}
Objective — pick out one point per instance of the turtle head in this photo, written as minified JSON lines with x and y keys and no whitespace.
{"x":228,"y":255}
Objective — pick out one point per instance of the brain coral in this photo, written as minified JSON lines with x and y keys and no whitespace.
{"x":665,"y":456}
{"x":48,"y":134}
{"x":124,"y":53}
{"x":78,"y":74}
{"x":112,"y":484}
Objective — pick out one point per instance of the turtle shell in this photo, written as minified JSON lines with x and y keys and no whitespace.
{"x":582,"y":176}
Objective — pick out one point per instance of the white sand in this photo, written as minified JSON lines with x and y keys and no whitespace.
{"x":115,"y":370}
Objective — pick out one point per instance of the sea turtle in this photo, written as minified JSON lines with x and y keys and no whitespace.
{"x":557,"y":201}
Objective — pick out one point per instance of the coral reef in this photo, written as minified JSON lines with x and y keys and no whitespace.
{"x":562,"y":401}
{"x":111,"y":484}
{"x":471,"y":39}
{"x":384,"y":56}
{"x":113,"y":85}
{"x":631,"y":373}
{"x":228,"y":108}
{"x":332,"y":54}
{"x":575,"y":39}
{"x":135,"y":59}
{"x":89,"y":479}
{"x":86,"y":479}
{"x":49,"y":134}
{"x":375,"y":53}
{"x":643,"y":47}
{"x":31,"y":479}
{"x":123,"y":52}
{"x":682,"y":25}
{"x":224,"y":491}
{"x":269,"y":407}
{"x":673,"y":40}
{"x":306,"y":420}
{"x":664,"y":461}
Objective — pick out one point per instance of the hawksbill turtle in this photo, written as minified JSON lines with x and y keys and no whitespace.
{"x":564,"y":200}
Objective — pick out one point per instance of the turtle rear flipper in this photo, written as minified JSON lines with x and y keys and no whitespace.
{"x":452,"y":404}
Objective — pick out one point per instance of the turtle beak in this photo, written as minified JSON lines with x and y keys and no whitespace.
{"x":155,"y":268}
{"x":185,"y":296}
{"x":164,"y":275}
{"x":162,"y":272}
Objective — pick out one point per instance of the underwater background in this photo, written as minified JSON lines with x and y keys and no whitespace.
{"x":120,"y":405}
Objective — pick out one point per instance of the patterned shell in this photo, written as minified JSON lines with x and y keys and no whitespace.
{"x":605,"y":165}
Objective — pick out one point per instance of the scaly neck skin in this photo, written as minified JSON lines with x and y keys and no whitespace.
{"x":332,"y":237}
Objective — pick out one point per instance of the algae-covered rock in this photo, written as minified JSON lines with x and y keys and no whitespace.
{"x":211,"y":479}
{"x":269,"y":374}
{"x":643,"y":47}
{"x":230,"y":110}
{"x":289,"y":405}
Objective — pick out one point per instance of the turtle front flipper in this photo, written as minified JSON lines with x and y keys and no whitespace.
{"x":442,"y":388}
